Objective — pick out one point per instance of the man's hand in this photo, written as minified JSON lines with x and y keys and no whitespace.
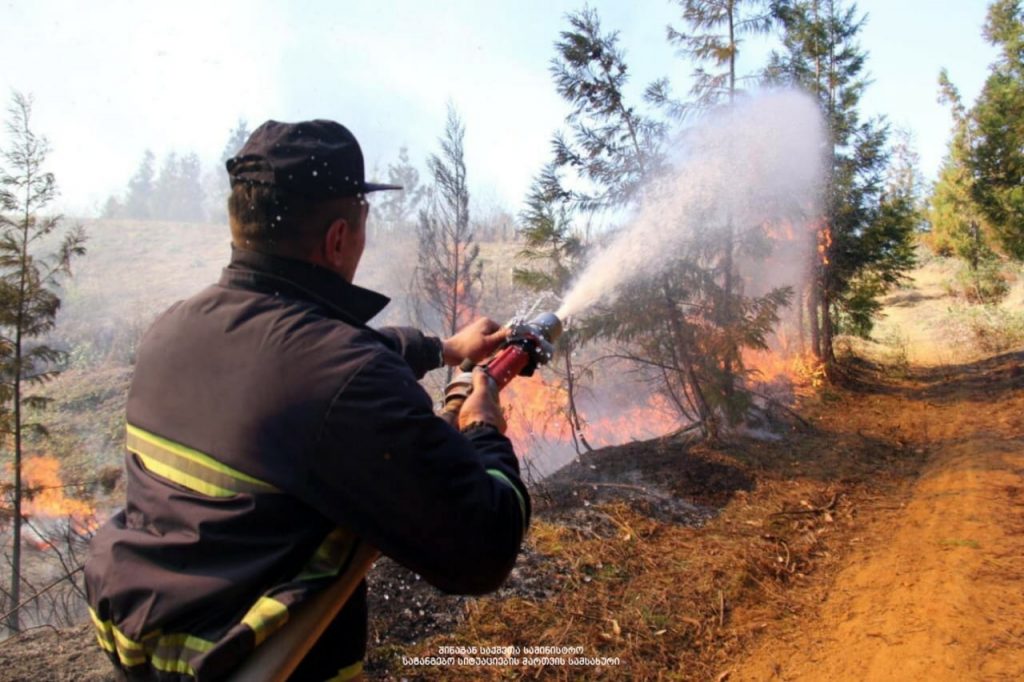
{"x":482,"y":404}
{"x":475,"y":341}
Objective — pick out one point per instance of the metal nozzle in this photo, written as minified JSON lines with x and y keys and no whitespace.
{"x":549,"y":326}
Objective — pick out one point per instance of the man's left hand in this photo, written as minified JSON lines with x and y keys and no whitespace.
{"x":476,"y":341}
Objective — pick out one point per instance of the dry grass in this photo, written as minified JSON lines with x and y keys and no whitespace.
{"x":676,"y":602}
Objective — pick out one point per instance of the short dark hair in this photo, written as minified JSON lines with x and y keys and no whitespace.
{"x":268,"y":219}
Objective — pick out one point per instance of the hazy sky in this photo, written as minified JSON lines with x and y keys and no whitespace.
{"x":112,"y":78}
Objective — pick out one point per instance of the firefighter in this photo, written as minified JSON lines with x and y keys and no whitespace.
{"x":269,"y":429}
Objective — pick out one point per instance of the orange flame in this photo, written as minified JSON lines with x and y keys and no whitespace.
{"x":824,"y":243}
{"x":536,"y":411}
{"x":45,"y":494}
{"x":801,"y":370}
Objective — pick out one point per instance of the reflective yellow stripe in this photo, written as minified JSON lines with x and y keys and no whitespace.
{"x":348,"y":672}
{"x":522,"y":503}
{"x":190,"y":468}
{"x":181,"y":478}
{"x":265,"y":617}
{"x":169,"y":653}
{"x":104,"y":632}
{"x":330,"y":556}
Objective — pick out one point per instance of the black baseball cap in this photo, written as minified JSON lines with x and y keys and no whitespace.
{"x":317,"y":159}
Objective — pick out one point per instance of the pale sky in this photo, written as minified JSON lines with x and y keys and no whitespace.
{"x":112,"y":78}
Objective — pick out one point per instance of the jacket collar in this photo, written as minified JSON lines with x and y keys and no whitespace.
{"x":252,"y":269}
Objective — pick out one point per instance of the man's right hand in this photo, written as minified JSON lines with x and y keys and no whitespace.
{"x":482,"y":404}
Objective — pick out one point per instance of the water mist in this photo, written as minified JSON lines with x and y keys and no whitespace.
{"x":755,"y":164}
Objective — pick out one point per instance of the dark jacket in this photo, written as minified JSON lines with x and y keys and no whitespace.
{"x":268,"y":429}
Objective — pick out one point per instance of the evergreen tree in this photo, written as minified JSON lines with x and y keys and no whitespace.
{"x":997,"y":147}
{"x":28,"y":300}
{"x":189,"y":202}
{"x":863,"y":243}
{"x":712,"y":38}
{"x":448,"y":271}
{"x":216,"y":185}
{"x":138,"y":203}
{"x":399,"y":209}
{"x":957,"y":223}
{"x":714,"y":31}
{"x":165,"y":189}
{"x":684,"y":324}
{"x":236,"y":140}
{"x":611,"y":146}
{"x":552,"y":256}
{"x":178,"y":193}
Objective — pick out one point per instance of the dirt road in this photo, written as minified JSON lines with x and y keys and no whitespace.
{"x":934,"y":587}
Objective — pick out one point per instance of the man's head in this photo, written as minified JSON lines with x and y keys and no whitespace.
{"x":299,"y":190}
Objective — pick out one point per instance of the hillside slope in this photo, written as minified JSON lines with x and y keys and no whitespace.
{"x":878,"y":538}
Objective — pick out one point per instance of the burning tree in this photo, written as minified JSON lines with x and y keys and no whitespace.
{"x":448,"y":272}
{"x":712,"y":39}
{"x":686,"y":323}
{"x":552,"y":254}
{"x":28,"y":302}
{"x":864,"y":241}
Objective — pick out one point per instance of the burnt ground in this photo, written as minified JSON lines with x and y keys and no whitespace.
{"x":659,"y":479}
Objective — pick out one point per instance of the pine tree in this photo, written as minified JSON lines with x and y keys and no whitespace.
{"x":138,"y":203}
{"x":236,"y":140}
{"x":863,"y":244}
{"x":551,"y":257}
{"x":448,"y":271}
{"x":956,"y":220}
{"x":712,"y":38}
{"x":216,"y":185}
{"x":28,"y":298}
{"x":611,"y":146}
{"x":399,"y":209}
{"x":714,"y":32}
{"x":997,"y":147}
{"x":189,"y":201}
{"x":166,"y":189}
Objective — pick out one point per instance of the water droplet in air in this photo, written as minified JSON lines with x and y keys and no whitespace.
{"x":314,"y":174}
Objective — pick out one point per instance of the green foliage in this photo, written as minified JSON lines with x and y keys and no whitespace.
{"x":610,"y":146}
{"x":177,"y":193}
{"x":29,"y":303}
{"x":139,"y":202}
{"x":997,"y":147}
{"x":670,"y":326}
{"x":870,"y":224}
{"x":983,"y":283}
{"x":552,"y":248}
{"x":958,"y":225}
{"x":993,"y":329}
{"x":712,"y":39}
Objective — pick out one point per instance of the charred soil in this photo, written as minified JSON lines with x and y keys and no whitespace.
{"x":879,"y":540}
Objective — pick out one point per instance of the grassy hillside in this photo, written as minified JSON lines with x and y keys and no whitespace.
{"x":135,"y":269}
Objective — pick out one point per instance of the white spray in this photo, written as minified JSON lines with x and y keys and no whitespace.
{"x":754,"y":164}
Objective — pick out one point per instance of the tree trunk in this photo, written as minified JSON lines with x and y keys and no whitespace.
{"x":575,"y":423}
{"x":686,"y":370}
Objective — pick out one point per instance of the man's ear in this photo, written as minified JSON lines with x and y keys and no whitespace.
{"x":336,"y":242}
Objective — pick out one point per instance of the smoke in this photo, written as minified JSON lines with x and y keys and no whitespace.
{"x":754,"y":165}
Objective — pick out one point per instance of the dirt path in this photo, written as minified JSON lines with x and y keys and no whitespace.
{"x":934,"y":587}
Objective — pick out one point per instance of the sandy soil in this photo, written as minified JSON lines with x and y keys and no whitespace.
{"x":933,"y":586}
